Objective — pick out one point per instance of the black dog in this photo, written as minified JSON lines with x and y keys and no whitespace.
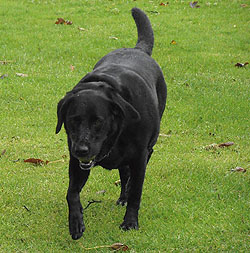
{"x":112,"y":119}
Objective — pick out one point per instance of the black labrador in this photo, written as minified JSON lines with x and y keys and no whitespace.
{"x":112,"y":119}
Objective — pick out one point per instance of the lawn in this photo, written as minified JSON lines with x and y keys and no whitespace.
{"x":193,"y":199}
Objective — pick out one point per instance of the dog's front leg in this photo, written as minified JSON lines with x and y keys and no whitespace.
{"x":77,"y":179}
{"x":137,"y":169}
{"x":125,"y":185}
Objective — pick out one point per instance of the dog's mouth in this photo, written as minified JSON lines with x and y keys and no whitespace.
{"x":86,"y":165}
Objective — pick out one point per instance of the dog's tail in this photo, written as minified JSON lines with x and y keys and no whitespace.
{"x":145,"y":32}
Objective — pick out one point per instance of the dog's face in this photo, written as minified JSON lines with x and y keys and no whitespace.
{"x":91,"y":120}
{"x":88,"y":123}
{"x":87,"y":118}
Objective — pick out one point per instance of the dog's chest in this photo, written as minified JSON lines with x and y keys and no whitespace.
{"x":119,"y":156}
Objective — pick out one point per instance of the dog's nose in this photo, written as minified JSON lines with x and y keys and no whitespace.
{"x":82,"y":151}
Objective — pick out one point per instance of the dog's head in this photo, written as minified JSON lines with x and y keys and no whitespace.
{"x":93,"y":122}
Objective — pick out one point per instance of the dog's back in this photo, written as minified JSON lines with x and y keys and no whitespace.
{"x":133,"y":61}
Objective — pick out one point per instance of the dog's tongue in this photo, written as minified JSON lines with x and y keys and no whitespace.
{"x":86,"y":166}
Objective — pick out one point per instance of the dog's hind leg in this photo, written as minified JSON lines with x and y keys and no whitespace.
{"x":137,"y":168}
{"x":77,"y":179}
{"x":125,"y":185}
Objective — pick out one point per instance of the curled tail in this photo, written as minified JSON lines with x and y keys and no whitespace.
{"x":145,"y":32}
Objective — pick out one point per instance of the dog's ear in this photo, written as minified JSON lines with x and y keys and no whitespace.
{"x":61,"y":111}
{"x":127,"y":110}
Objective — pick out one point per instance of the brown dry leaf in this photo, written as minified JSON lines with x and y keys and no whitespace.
{"x":115,"y":246}
{"x":216,"y":146}
{"x":21,"y":75}
{"x":239,"y":169}
{"x":61,"y":21}
{"x":226,"y":144}
{"x":241,"y":65}
{"x":68,"y":22}
{"x":164,"y":4}
{"x":243,"y":5}
{"x":119,"y":246}
{"x":36,"y":161}
{"x":173,"y":42}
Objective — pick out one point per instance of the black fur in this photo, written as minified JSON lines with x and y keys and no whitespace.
{"x":112,"y":119}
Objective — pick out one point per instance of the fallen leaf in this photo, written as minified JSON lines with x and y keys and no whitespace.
{"x":173,"y":42}
{"x":164,"y":4}
{"x":21,"y":75}
{"x":119,"y":246}
{"x":68,"y":22}
{"x":243,"y":5}
{"x":72,"y":67}
{"x":36,"y":161}
{"x":115,"y":246}
{"x":241,"y":65}
{"x":194,"y":4}
{"x":216,"y":146}
{"x":61,"y":21}
{"x":239,"y":169}
{"x":3,"y":76}
{"x":226,"y":144}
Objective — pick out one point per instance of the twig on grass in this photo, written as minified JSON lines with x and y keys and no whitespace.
{"x":26,"y":208}
{"x":57,"y":161}
{"x":91,"y":202}
{"x":6,"y":62}
{"x":115,"y":247}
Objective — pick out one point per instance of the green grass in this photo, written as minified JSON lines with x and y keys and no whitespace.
{"x":191,"y":202}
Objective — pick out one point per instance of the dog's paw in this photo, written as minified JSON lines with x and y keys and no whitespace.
{"x":121,"y":201}
{"x":76,"y":226}
{"x":127,"y":225}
